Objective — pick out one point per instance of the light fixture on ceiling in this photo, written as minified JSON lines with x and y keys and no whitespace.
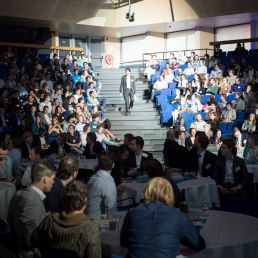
{"x":130,"y":15}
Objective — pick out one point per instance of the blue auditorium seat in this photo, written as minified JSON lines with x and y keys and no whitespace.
{"x":241,"y":116}
{"x":190,"y":78}
{"x":172,"y":85}
{"x":205,"y":99}
{"x":163,"y":65}
{"x":231,"y":97}
{"x":217,"y":98}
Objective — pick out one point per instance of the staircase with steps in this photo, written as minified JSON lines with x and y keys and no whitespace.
{"x":144,"y":119}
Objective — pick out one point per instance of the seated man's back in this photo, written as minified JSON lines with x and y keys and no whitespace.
{"x":102,"y":195}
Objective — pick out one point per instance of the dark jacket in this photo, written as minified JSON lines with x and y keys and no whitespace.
{"x":97,"y":150}
{"x":175,"y":155}
{"x":239,"y":171}
{"x":188,"y":143}
{"x":54,"y":148}
{"x":53,"y":201}
{"x":207,"y":165}
{"x":155,"y":230}
{"x":131,"y":162}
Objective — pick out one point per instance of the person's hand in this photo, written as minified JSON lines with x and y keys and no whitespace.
{"x":121,"y":188}
{"x":233,"y":189}
{"x":224,"y":190}
{"x":132,"y":171}
{"x":78,"y":145}
{"x":192,"y":173}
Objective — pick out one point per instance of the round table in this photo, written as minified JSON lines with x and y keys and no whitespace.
{"x":197,"y":191}
{"x":226,"y":235}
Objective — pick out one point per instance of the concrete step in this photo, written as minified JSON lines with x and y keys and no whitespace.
{"x":145,"y":133}
{"x":116,"y":87}
{"x":148,"y":142}
{"x":135,"y":123}
{"x":111,"y":94}
{"x":155,"y":147}
{"x":132,"y":117}
{"x":130,"y":125}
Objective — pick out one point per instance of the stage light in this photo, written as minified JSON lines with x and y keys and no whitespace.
{"x":129,"y":15}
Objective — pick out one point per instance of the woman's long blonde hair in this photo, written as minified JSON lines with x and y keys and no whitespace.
{"x":159,"y":189}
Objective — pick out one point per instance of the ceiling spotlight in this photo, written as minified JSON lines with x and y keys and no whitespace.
{"x":129,"y":15}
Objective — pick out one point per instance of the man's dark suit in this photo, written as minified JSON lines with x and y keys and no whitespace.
{"x":26,"y":211}
{"x":25,"y":150}
{"x":128,"y":93}
{"x":54,"y":148}
{"x":208,"y":163}
{"x":131,"y":162}
{"x":175,"y":155}
{"x":239,"y":171}
{"x":96,"y":152}
{"x":53,"y":201}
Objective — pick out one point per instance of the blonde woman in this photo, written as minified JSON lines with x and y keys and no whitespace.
{"x":155,"y":228}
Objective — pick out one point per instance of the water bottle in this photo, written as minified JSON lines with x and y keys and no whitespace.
{"x":205,"y":208}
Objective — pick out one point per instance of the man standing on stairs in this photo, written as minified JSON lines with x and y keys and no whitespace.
{"x":127,"y":87}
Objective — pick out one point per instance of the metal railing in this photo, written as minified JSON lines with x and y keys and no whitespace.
{"x":166,"y":54}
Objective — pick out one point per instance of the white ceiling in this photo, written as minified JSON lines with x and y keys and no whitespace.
{"x":63,"y":15}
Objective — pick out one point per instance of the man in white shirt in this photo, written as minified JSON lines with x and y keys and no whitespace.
{"x":127,"y":88}
{"x":102,"y":194}
{"x":158,"y":86}
{"x":201,"y":161}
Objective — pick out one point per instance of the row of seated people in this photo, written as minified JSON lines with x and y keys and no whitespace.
{"x":232,"y":179}
{"x":192,"y":89}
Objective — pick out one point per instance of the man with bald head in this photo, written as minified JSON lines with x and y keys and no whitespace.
{"x":175,"y":156}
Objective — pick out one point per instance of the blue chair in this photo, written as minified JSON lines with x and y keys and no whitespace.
{"x":163,"y":65}
{"x":241,"y":116}
{"x":172,"y":85}
{"x":183,"y":66}
{"x":166,"y":92}
{"x":217,"y":98}
{"x":205,"y":99}
{"x":203,"y":114}
{"x":188,"y":117}
{"x":231,"y":97}
{"x":165,"y":117}
{"x":190,"y":78}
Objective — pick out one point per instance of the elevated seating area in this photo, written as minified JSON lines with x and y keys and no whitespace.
{"x":225,"y":61}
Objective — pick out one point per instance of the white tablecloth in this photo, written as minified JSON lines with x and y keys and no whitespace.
{"x":200,"y":190}
{"x":90,"y":164}
{"x":196,"y":191}
{"x":253,"y":168}
{"x":229,"y":235}
{"x":83,"y":163}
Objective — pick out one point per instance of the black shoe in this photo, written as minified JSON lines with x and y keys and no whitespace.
{"x":126,"y":114}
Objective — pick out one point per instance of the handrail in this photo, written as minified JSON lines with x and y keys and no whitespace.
{"x":225,"y":42}
{"x":176,"y":51}
{"x":133,"y":61}
{"x":38,"y":46}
